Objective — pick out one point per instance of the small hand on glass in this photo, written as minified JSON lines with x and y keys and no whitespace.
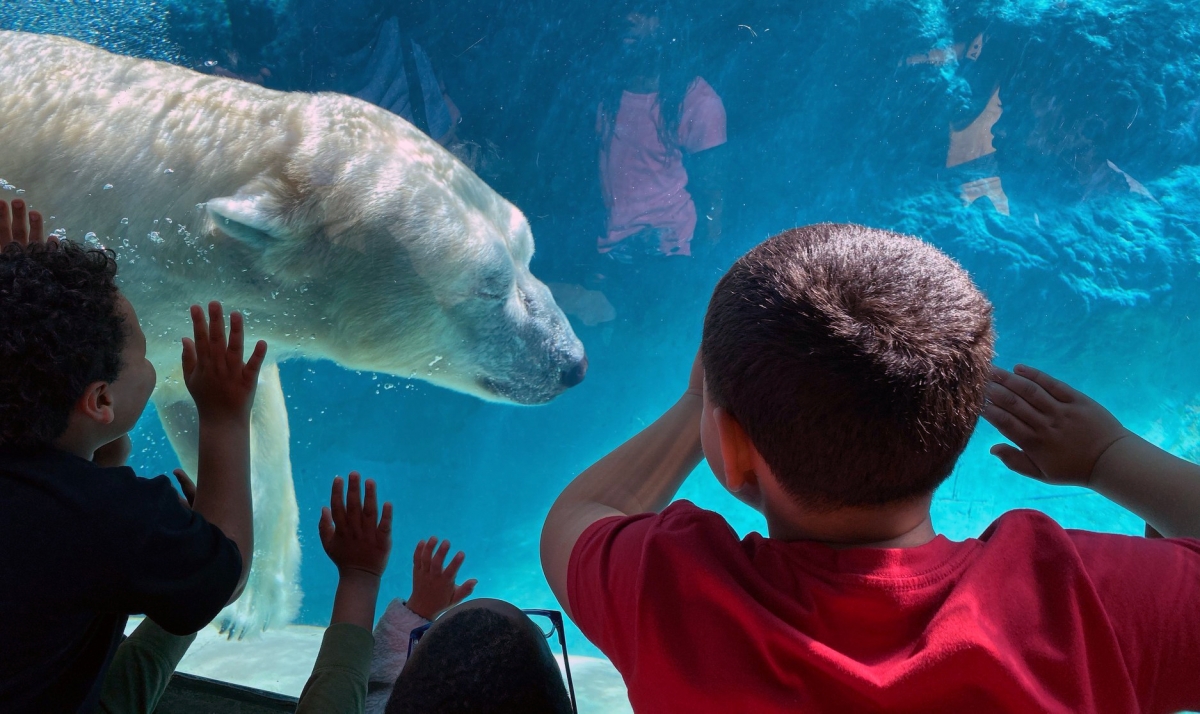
{"x":1060,"y":433}
{"x":13,"y":228}
{"x":221,"y":384}
{"x":354,"y":534}
{"x":434,"y":590}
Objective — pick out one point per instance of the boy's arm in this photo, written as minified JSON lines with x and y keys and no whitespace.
{"x":141,"y":669}
{"x":1064,"y":437}
{"x":358,"y":541}
{"x":223,"y":387}
{"x":642,"y":475}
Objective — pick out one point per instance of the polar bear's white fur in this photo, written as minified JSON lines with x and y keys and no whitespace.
{"x":341,"y":231}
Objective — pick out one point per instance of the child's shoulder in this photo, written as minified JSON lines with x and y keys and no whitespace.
{"x":45,"y":477}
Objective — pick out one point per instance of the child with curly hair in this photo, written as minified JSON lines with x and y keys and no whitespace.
{"x":87,"y":542}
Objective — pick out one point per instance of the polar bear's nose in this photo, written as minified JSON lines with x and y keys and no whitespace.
{"x":574,"y":375}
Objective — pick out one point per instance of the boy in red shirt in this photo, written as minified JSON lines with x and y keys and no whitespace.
{"x":842,"y":371}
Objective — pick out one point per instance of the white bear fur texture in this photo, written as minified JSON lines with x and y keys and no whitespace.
{"x":337,"y":228}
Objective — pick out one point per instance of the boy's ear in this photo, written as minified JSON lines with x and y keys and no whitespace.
{"x":96,"y":403}
{"x":738,"y":454}
{"x":251,"y":218}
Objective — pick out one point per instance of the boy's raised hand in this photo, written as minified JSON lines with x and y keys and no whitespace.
{"x":356,"y":537}
{"x":219,"y":381}
{"x":1059,"y":433}
{"x":434,"y":590}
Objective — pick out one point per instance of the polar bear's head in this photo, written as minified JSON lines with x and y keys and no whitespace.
{"x":408,"y":263}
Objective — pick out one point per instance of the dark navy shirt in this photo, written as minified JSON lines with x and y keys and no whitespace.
{"x":82,"y":548}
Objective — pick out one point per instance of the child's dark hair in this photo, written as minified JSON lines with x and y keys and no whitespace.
{"x":855,"y":359}
{"x":481,"y":662}
{"x":60,"y":330}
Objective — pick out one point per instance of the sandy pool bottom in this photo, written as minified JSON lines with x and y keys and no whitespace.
{"x":281,"y":660}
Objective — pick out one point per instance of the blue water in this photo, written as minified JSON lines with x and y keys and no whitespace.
{"x":1092,"y":280}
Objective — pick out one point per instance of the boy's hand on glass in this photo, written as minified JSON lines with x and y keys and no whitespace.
{"x":1060,"y":433}
{"x":187,"y":486}
{"x":434,"y":590}
{"x":219,"y":381}
{"x":13,"y":228}
{"x":354,"y":534}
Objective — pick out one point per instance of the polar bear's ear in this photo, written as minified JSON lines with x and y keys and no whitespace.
{"x":245,"y":218}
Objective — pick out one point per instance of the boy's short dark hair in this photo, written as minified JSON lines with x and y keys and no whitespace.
{"x":60,"y":330}
{"x":481,"y":662}
{"x":854,"y":358}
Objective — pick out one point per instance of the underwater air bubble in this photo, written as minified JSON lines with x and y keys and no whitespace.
{"x":124,"y":221}
{"x":154,"y":237}
{"x":108,"y":187}
{"x":20,"y":191}
{"x":169,"y":171}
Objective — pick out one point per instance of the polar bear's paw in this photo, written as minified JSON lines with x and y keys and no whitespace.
{"x":270,"y":599}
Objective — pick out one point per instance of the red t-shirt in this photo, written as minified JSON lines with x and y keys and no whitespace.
{"x":1028,"y":618}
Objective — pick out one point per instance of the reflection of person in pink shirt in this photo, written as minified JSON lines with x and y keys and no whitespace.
{"x":654,"y":120}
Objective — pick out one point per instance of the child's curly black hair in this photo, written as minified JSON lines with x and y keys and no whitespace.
{"x":60,"y":330}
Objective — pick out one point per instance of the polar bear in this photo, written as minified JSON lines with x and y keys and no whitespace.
{"x":340,"y":230}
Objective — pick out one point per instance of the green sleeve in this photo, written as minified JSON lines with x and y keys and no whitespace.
{"x":141,"y":668}
{"x":339,"y":678}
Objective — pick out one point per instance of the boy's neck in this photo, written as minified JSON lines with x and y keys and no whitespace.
{"x":902,"y":525}
{"x":79,"y":441}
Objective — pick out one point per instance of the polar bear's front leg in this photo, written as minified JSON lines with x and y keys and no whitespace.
{"x":272,"y":596}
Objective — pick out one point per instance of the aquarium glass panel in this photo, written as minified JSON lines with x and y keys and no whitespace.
{"x":480,"y":237}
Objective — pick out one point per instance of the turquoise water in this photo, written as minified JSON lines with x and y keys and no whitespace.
{"x":1093,"y":271}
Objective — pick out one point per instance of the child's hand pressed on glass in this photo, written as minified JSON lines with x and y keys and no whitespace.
{"x":1060,"y":433}
{"x":220,"y":382}
{"x":434,"y":590}
{"x":13,"y":228}
{"x":354,"y":534}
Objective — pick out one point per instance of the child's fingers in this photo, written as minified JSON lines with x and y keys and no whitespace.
{"x":236,"y":335}
{"x":199,"y":332}
{"x":216,"y":327}
{"x":186,"y":484}
{"x":1026,"y":390}
{"x":1016,"y":460}
{"x":370,"y":508}
{"x":1014,"y":404}
{"x":189,"y":356}
{"x":1012,"y":428}
{"x":20,"y":233}
{"x":417,"y":554}
{"x":337,"y":506}
{"x":427,"y":553}
{"x":462,"y":592}
{"x":37,"y":231}
{"x":353,"y":496}
{"x":1055,"y":388}
{"x":325,"y":527}
{"x":385,"y":521}
{"x":254,"y":364}
{"x":455,"y":563}
{"x":5,"y":225}
{"x":439,"y":558}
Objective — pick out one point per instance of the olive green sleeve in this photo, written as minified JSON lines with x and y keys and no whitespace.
{"x":339,"y":678}
{"x":141,"y":668}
